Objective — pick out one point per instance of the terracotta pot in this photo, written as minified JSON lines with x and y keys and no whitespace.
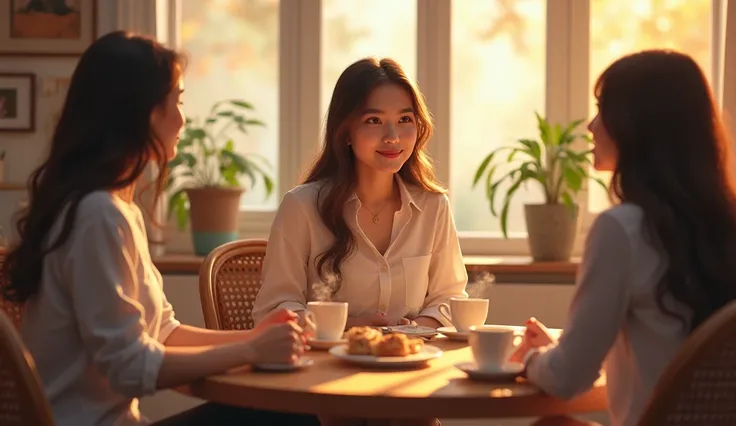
{"x":551,"y":230}
{"x":213,"y":214}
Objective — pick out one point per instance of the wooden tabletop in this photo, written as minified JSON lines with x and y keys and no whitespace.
{"x":336,"y":388}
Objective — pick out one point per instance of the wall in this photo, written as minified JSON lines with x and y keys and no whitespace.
{"x":24,"y":151}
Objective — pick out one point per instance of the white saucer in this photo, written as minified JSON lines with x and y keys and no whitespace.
{"x":302,"y":363}
{"x":508,"y":371}
{"x":453,"y":334}
{"x":323,"y":345}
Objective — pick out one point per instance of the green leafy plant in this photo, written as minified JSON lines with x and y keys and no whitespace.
{"x":206,"y":156}
{"x":551,"y":161}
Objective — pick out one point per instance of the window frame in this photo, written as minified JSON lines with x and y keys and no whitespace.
{"x":567,"y":92}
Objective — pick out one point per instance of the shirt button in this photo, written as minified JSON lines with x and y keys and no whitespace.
{"x":384,"y":268}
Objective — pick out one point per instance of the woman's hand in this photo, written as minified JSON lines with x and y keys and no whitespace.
{"x":278,"y":316}
{"x":277,"y":343}
{"x":370,"y":320}
{"x":536,"y":335}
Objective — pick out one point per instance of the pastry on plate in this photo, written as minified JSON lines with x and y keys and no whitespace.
{"x":362,"y":339}
{"x":397,"y":344}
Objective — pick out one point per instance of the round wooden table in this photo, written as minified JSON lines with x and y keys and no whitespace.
{"x":333,"y":387}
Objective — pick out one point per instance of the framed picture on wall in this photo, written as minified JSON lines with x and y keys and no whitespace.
{"x":17,"y":102}
{"x":47,"y":27}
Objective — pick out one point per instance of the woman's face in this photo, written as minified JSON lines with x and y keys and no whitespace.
{"x":605,"y":154}
{"x":167,"y":120}
{"x":385,"y":133}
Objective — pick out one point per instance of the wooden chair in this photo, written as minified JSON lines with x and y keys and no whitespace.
{"x":229,"y":282}
{"x":12,"y":310}
{"x":22,"y":400}
{"x":699,"y":385}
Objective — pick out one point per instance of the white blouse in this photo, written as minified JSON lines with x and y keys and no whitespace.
{"x":96,"y":327}
{"x":614,"y":321}
{"x":422,"y":268}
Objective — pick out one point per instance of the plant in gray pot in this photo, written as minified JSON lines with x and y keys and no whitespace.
{"x":556,"y":164}
{"x":203,"y":182}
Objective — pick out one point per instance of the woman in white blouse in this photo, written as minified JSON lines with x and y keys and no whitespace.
{"x":370,"y":225}
{"x":660,"y":262}
{"x":96,"y":319}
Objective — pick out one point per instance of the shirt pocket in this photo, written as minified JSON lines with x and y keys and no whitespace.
{"x":416,"y":277}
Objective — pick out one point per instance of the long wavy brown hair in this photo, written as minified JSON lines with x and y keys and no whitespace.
{"x":335,"y":165}
{"x":103,"y":141}
{"x":674,"y":162}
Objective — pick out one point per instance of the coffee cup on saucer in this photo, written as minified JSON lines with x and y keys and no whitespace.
{"x":327,"y":320}
{"x":463,"y":314}
{"x":492,"y":345}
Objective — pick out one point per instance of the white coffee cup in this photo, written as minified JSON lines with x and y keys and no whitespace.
{"x":492,"y":345}
{"x":329,"y":319}
{"x":465,"y":313}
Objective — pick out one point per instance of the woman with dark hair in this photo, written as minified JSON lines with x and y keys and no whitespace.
{"x":661,"y":261}
{"x":370,"y":225}
{"x":96,"y":319}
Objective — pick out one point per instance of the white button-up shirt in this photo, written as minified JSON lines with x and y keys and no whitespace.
{"x":97,"y":325}
{"x":422,"y":267}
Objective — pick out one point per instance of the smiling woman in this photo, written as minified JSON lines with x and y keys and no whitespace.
{"x":369,"y":210}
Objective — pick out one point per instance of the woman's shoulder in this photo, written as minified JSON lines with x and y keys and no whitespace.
{"x":304,"y":195}
{"x":101,"y":209}
{"x":630,"y":216}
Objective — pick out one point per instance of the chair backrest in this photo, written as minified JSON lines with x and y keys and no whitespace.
{"x":699,"y":385}
{"x":12,"y":310}
{"x":22,"y":400}
{"x":229,"y":282}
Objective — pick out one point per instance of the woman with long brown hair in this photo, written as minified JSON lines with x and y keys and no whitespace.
{"x":370,"y":225}
{"x":96,"y":319}
{"x":661,"y":261}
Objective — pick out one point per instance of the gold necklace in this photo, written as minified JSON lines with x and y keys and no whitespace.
{"x":375,"y":215}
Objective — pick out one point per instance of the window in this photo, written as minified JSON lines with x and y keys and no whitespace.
{"x":233,"y":53}
{"x":684,"y":25}
{"x":354,"y":29}
{"x":484,"y":66}
{"x":498,"y":81}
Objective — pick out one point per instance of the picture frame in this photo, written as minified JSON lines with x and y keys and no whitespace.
{"x":17,"y":102}
{"x":47,"y":27}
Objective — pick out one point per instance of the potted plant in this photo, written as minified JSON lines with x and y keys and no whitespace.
{"x":560,"y":169}
{"x":203,"y":182}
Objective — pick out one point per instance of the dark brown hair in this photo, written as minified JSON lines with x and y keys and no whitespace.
{"x":674,"y":162}
{"x":103,"y":141}
{"x":335,"y":166}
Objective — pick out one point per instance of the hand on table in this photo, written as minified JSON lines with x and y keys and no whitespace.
{"x":536,"y":335}
{"x":277,"y":343}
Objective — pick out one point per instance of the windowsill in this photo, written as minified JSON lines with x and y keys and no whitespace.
{"x":184,"y":264}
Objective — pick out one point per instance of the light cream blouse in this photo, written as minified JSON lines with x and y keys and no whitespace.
{"x":422,"y":268}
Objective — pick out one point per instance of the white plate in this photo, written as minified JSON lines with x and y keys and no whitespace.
{"x":323,"y":345}
{"x":412,"y":330}
{"x":302,"y":363}
{"x":427,"y":353}
{"x":509,"y":371}
{"x":453,"y":334}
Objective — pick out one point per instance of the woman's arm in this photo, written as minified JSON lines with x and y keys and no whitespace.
{"x":285,"y":265}
{"x":447,"y":274}
{"x":186,"y":335}
{"x":101,"y":273}
{"x":596,"y":315}
{"x":279,"y":343}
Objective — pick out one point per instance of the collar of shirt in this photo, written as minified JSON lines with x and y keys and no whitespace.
{"x":407,"y":199}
